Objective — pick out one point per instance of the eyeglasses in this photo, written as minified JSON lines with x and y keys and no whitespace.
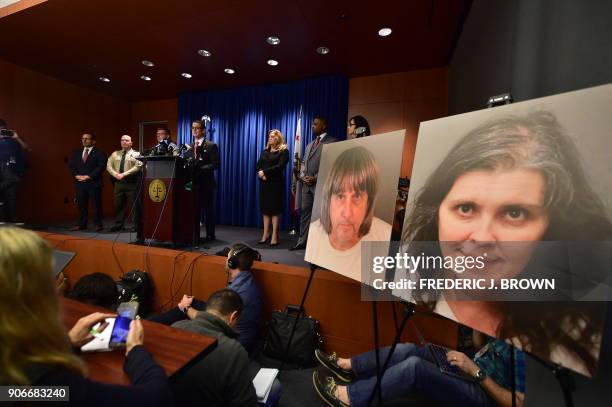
{"x":86,"y":138}
{"x":352,"y":124}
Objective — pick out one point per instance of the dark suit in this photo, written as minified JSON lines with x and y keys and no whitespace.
{"x":204,"y":179}
{"x":92,"y":188}
{"x":310,"y":167}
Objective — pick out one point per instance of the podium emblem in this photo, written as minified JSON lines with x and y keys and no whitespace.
{"x":157,"y":190}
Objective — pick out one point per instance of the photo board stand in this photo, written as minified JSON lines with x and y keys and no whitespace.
{"x":313,"y":268}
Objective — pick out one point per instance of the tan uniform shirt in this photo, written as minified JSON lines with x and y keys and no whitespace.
{"x":131,"y":165}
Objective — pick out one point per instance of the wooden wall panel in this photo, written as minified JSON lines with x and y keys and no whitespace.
{"x":400,"y":101}
{"x":51,"y":115}
{"x":346,"y":321}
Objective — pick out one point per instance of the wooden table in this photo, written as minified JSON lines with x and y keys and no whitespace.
{"x":173,"y":349}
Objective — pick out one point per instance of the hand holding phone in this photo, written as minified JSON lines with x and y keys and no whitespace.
{"x":135,"y":335}
{"x":126,"y":312}
{"x":81,"y":334}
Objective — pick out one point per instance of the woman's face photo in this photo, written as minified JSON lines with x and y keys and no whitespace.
{"x":488,"y":211}
{"x":273,"y":139}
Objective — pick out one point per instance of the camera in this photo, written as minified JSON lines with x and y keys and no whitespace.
{"x":6,"y":133}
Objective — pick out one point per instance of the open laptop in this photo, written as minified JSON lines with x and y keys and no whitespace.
{"x":61,"y":260}
{"x":438,"y":355}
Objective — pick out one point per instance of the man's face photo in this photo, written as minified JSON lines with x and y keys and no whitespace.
{"x":161,"y":135}
{"x":347,"y":210}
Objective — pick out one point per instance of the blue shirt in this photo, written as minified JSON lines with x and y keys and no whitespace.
{"x":248,"y":324}
{"x":494,"y":360}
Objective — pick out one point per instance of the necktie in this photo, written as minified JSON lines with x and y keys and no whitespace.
{"x":197,"y":145}
{"x":316,"y":143}
{"x":122,"y":164}
{"x":85,"y":155}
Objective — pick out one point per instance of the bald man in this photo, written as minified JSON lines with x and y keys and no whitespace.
{"x":123,"y":166}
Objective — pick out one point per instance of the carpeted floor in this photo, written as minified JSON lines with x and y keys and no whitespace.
{"x":226,"y":236}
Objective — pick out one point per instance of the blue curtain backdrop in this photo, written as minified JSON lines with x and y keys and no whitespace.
{"x":241,"y":119}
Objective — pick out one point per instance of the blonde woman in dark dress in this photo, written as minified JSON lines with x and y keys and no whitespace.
{"x":271,"y":172}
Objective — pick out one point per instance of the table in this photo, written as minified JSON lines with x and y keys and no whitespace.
{"x":173,"y":349}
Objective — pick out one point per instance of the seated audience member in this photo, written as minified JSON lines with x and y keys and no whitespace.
{"x":238,"y":267}
{"x":95,"y":289}
{"x":411,"y":369}
{"x":37,"y":351}
{"x":223,"y":377}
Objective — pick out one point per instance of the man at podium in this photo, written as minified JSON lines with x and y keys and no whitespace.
{"x":205,"y":154}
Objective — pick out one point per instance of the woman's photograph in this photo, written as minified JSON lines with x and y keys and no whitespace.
{"x":506,"y":187}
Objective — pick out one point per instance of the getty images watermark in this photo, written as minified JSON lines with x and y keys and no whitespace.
{"x":500,"y":271}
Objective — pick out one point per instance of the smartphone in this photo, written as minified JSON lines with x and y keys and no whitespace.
{"x":126,"y":312}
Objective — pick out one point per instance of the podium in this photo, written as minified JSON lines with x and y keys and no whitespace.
{"x":169,"y":204}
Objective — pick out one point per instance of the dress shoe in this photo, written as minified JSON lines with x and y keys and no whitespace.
{"x":115,"y":228}
{"x":326,"y":389}
{"x":299,"y":246}
{"x":75,"y":228}
{"x":267,"y":240}
{"x":331,"y":363}
{"x":139,"y":241}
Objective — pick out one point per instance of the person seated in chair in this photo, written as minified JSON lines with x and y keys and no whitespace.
{"x":96,"y":289}
{"x":222,"y":377}
{"x":240,"y":279}
{"x":486,"y":382}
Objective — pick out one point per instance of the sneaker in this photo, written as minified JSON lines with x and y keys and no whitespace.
{"x":326,"y":389}
{"x":330,"y":362}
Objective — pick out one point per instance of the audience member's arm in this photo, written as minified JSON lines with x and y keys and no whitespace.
{"x":501,"y":395}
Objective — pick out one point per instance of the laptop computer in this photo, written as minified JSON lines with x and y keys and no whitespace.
{"x":61,"y":260}
{"x":438,"y":355}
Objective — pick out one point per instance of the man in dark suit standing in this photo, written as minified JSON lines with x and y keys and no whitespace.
{"x":86,"y":165}
{"x":205,"y":154}
{"x":308,"y":178}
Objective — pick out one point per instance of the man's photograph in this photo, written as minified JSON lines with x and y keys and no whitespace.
{"x":354,"y":201}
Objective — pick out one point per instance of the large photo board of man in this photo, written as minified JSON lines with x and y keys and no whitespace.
{"x":354,"y":200}
{"x":505,"y":184}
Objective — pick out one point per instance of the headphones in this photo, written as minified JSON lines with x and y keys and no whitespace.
{"x":233,"y":261}
{"x":360,"y":131}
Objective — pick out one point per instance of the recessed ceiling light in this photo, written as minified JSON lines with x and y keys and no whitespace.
{"x":104,"y":79}
{"x":229,"y":71}
{"x":186,"y":75}
{"x":383,"y":32}
{"x":272,"y":62}
{"x":273,"y":40}
{"x":204,"y":53}
{"x":323,"y":50}
{"x":147,"y":63}
{"x":145,"y":78}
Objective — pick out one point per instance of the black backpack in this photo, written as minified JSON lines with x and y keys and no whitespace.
{"x":135,"y":285}
{"x":305,"y":340}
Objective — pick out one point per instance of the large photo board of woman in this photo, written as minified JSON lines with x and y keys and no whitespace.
{"x":526,"y":189}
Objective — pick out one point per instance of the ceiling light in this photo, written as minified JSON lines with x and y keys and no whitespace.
{"x":323,"y":50}
{"x":147,"y":63}
{"x":229,"y":71}
{"x":186,"y":75}
{"x":204,"y":53}
{"x":272,"y":62}
{"x":104,"y":79}
{"x":273,"y":40}
{"x":383,"y":32}
{"x":145,"y":78}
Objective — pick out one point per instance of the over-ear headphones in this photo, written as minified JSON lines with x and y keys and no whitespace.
{"x":233,"y":261}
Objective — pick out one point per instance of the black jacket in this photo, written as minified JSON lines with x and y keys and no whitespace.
{"x":149,"y":384}
{"x":221,"y":378}
{"x":94,"y":166}
{"x":208,"y":161}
